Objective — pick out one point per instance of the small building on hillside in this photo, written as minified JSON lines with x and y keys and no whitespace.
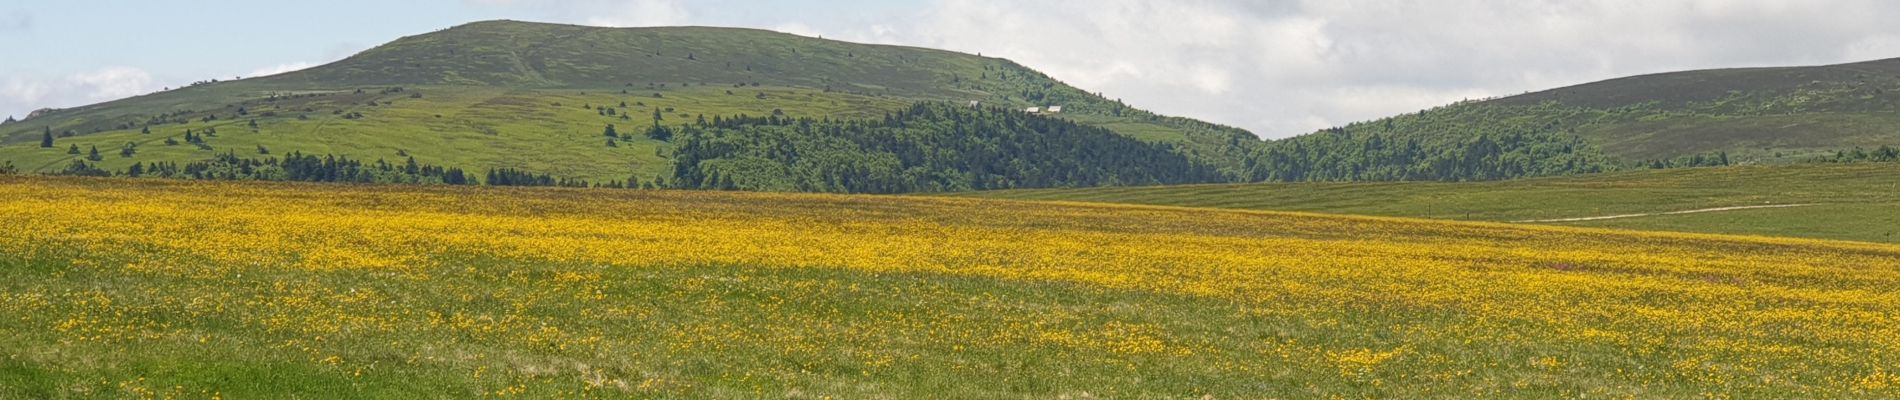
{"x":1033,"y":110}
{"x":1055,"y":109}
{"x":975,"y":104}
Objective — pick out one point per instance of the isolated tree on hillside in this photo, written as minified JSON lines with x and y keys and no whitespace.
{"x":94,"y":154}
{"x":660,"y":133}
{"x":657,"y":117}
{"x":145,"y":131}
{"x":610,"y":131}
{"x":74,"y":150}
{"x":46,"y":139}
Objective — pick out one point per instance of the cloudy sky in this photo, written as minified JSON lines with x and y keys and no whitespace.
{"x":1278,"y":68}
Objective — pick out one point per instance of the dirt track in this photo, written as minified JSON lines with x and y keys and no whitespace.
{"x":1705,"y":210}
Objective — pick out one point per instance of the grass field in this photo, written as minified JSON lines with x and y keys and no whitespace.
{"x":152,"y":288}
{"x":1849,"y":202}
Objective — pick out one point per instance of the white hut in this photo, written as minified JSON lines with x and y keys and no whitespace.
{"x":1033,"y":110}
{"x":1055,"y":109}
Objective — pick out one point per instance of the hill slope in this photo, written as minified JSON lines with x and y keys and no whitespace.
{"x":538,"y":97}
{"x":1693,"y":118}
{"x":1848,"y":202}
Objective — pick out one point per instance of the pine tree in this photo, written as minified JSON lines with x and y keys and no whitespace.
{"x":94,"y":154}
{"x":46,"y":139}
{"x":74,"y":150}
{"x":660,"y":133}
{"x":611,"y":133}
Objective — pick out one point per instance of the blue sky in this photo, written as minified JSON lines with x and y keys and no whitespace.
{"x":215,"y":38}
{"x":1276,"y":67}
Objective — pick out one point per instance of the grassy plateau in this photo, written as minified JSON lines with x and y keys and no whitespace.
{"x":157,"y":288}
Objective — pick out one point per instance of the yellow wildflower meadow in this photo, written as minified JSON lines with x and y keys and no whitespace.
{"x":197,"y":289}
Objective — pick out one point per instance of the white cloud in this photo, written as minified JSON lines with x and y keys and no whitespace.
{"x":278,"y":69}
{"x":1874,"y":47}
{"x":20,"y":96}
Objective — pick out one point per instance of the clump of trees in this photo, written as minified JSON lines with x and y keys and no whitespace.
{"x":516,"y":177}
{"x":1882,"y":154}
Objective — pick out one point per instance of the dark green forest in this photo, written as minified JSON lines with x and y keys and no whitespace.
{"x":928,"y":147}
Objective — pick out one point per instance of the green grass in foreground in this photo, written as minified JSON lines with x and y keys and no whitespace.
{"x":148,"y":288}
{"x":797,"y":326}
{"x":1851,"y":202}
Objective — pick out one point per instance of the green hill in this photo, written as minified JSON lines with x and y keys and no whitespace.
{"x":538,"y":98}
{"x":1694,"y":118}
{"x":1849,"y":202}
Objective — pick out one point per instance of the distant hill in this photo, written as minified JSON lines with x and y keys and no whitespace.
{"x":1694,"y":118}
{"x":536,"y":99}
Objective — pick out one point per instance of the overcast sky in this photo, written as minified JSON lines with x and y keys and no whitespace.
{"x":1278,"y":68}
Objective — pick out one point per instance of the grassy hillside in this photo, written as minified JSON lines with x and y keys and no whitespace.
{"x":1851,"y":202}
{"x":146,"y":288}
{"x":1693,"y":118}
{"x":1754,"y":114}
{"x":535,"y":97}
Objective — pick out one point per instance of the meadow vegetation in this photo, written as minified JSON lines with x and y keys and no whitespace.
{"x":1838,"y":201}
{"x":157,"y":288}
